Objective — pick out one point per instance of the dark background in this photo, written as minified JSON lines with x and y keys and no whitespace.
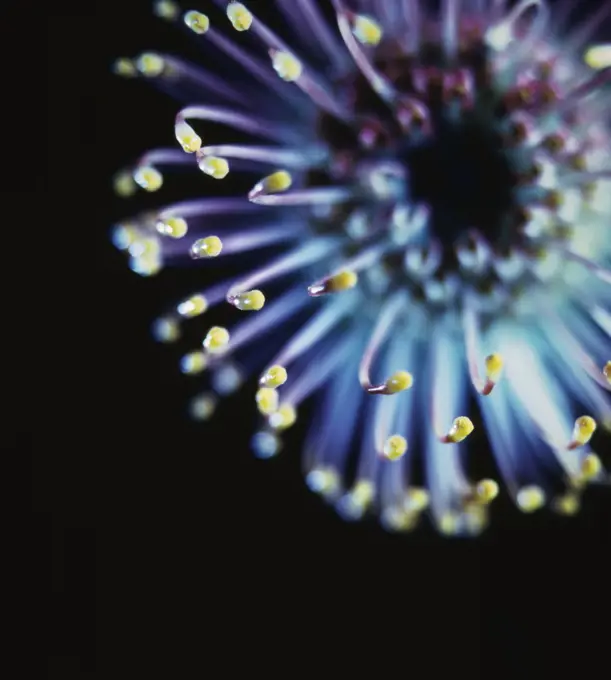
{"x":163,"y":548}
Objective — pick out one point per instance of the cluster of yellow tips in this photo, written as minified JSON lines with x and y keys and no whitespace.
{"x":460,"y":430}
{"x":214,"y":166}
{"x":193,"y":306}
{"x":399,"y":382}
{"x":148,"y":178}
{"x":186,"y":136}
{"x":280,"y":417}
{"x":585,"y":426}
{"x":287,"y":66}
{"x":194,"y":363}
{"x":598,"y":56}
{"x":395,"y":447}
{"x":174,"y":227}
{"x":197,"y":22}
{"x":249,"y":301}
{"x":366,"y":30}
{"x":211,"y":246}
{"x":530,"y":498}
{"x":607,"y":371}
{"x":216,"y":340}
{"x":240,"y":16}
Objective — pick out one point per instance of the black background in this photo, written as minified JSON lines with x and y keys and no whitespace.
{"x":164,"y":549}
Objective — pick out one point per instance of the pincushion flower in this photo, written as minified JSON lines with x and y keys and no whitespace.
{"x":429,"y":216}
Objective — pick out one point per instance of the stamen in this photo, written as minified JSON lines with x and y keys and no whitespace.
{"x":395,"y":447}
{"x":203,"y":406}
{"x":194,"y":306}
{"x":530,"y":498}
{"x":197,"y":22}
{"x":272,"y":184}
{"x":366,"y":30}
{"x":598,"y":56}
{"x":215,"y":167}
{"x":283,"y":418}
{"x":591,"y":467}
{"x":174,"y":227}
{"x":240,"y":17}
{"x":493,"y":362}
{"x":148,"y":177}
{"x":287,"y":66}
{"x":267,"y":401}
{"x":193,"y":363}
{"x":585,"y":426}
{"x":305,"y":197}
{"x":123,"y":184}
{"x":166,"y":330}
{"x":150,"y":64}
{"x":275,"y":376}
{"x":607,"y":371}
{"x":187,"y":137}
{"x":485,"y":491}
{"x":166,"y":9}
{"x":398,"y":381}
{"x":251,"y":300}
{"x":460,"y":430}
{"x":124,"y":68}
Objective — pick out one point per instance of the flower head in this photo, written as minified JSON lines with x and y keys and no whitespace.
{"x":430,"y":207}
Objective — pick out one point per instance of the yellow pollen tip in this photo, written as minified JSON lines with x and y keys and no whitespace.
{"x":342,"y":281}
{"x":211,"y":246}
{"x":148,"y":178}
{"x":585,"y":427}
{"x":607,"y":371}
{"x":240,"y":17}
{"x":193,"y":306}
{"x":203,"y":407}
{"x":216,"y":340}
{"x":448,"y":523}
{"x":363,"y":493}
{"x":394,"y":447}
{"x":366,"y":30}
{"x":598,"y":56}
{"x":275,"y":376}
{"x":283,"y":418}
{"x":591,"y":466}
{"x":399,"y":381}
{"x":530,"y":498}
{"x":166,"y":9}
{"x":150,"y":64}
{"x":287,"y":66}
{"x":323,"y":480}
{"x":461,"y":429}
{"x":494,"y":367}
{"x":486,"y":491}
{"x":124,"y":184}
{"x":166,"y":330}
{"x":250,"y":301}
{"x":277,"y":181}
{"x":568,"y":504}
{"x":417,"y":499}
{"x":267,"y":401}
{"x":186,"y":136}
{"x":197,"y":22}
{"x":216,"y":167}
{"x":174,"y":227}
{"x":125,"y":68}
{"x":193,"y":363}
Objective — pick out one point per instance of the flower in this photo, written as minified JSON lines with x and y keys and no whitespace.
{"x":434,"y":208}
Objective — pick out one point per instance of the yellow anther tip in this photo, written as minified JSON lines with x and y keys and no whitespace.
{"x":494,"y":367}
{"x":598,"y":56}
{"x":166,"y":9}
{"x":124,"y":184}
{"x":530,"y":498}
{"x":607,"y":371}
{"x":399,"y":381}
{"x":568,"y":504}
{"x":366,"y":30}
{"x":174,"y":227}
{"x":249,"y":301}
{"x":240,"y":16}
{"x":275,"y":376}
{"x":216,"y":340}
{"x":461,"y":429}
{"x":148,"y":178}
{"x":278,"y":181}
{"x":284,"y":417}
{"x":215,"y":167}
{"x":363,"y":492}
{"x":395,"y":447}
{"x":125,"y":68}
{"x":203,"y":407}
{"x":193,"y":363}
{"x":448,"y":523}
{"x":211,"y":246}
{"x":343,"y":281}
{"x":186,"y":136}
{"x":486,"y":490}
{"x":287,"y":66}
{"x":417,"y":499}
{"x":166,"y":330}
{"x":591,"y":466}
{"x":150,"y":64}
{"x":197,"y":22}
{"x":193,"y":306}
{"x":585,"y":427}
{"x":267,"y":400}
